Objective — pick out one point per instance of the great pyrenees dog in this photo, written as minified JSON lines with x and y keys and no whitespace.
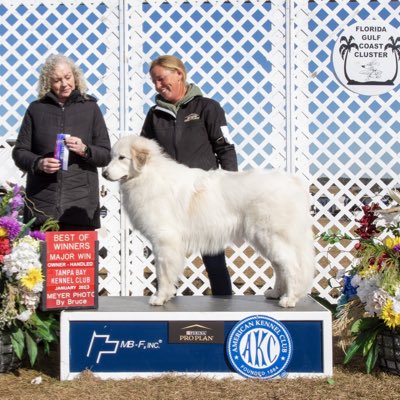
{"x":183,"y":210}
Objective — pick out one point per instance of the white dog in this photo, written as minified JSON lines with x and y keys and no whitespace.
{"x":184,"y":210}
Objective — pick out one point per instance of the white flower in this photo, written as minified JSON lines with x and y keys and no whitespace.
{"x":394,"y":195}
{"x":24,"y":255}
{"x":25,"y":315}
{"x":376,"y":301}
{"x":30,"y":241}
{"x":396,"y":305}
{"x":38,"y":288}
{"x":30,"y":300}
{"x":340,"y":274}
{"x":355,"y":280}
{"x":386,"y":218}
{"x":366,"y":286}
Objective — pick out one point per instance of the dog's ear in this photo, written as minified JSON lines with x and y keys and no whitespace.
{"x":139,"y":157}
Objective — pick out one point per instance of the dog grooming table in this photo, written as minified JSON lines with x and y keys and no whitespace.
{"x":126,"y":337}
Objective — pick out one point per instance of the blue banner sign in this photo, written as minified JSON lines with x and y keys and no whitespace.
{"x":145,"y":346}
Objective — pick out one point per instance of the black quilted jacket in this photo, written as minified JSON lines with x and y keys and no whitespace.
{"x":72,"y":196}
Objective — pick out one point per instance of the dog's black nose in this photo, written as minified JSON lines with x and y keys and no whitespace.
{"x":105,"y":174}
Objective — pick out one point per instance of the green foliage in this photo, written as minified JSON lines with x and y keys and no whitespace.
{"x":390,"y":280}
{"x":51,"y":224}
{"x":40,"y":329}
{"x":5,"y":200}
{"x":18,"y":341}
{"x":331,"y":307}
{"x":25,"y":228}
{"x":394,"y":228}
{"x":365,"y":331}
{"x":332,"y":237}
{"x":31,"y":347}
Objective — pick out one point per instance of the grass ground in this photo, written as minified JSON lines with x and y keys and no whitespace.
{"x":348,"y":382}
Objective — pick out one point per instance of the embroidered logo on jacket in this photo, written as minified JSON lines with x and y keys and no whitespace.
{"x":191,"y":117}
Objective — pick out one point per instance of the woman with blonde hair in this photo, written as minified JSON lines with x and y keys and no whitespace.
{"x":192,"y":129}
{"x":68,"y":191}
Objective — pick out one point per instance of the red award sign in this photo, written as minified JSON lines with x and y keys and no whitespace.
{"x":70,"y":269}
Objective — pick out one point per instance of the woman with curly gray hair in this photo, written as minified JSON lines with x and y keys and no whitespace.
{"x":45,"y":82}
{"x":64,"y":189}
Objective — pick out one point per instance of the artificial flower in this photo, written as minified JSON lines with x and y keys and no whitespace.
{"x":39,"y":235}
{"x":4,"y":248}
{"x":24,"y":316}
{"x":10,"y":227}
{"x":390,"y":316}
{"x":17,"y":200}
{"x":392,"y":242}
{"x":25,"y":255}
{"x":370,"y":294}
{"x":21,"y":279}
{"x":33,"y":279}
{"x":375,"y":302}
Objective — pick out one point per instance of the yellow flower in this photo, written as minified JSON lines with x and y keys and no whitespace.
{"x":32,"y":278}
{"x":391,"y":242}
{"x":389,"y":316}
{"x":3,"y":232}
{"x":369,"y":271}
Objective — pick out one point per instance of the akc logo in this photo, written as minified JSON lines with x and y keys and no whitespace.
{"x":259,"y":347}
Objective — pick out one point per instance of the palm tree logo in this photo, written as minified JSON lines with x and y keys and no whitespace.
{"x":371,"y":70}
{"x":394,"y":45}
{"x":344,"y":51}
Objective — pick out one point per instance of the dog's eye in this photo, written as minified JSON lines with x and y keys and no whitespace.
{"x":121,"y":158}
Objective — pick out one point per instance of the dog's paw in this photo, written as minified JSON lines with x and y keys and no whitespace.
{"x":155,"y":300}
{"x":272,"y":294}
{"x":287,"y":302}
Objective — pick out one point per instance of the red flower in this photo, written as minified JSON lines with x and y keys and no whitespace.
{"x":372,"y":261}
{"x":4,"y":248}
{"x":381,"y":260}
{"x":367,"y":228}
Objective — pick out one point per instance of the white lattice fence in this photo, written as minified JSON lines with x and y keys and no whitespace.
{"x":355,"y":141}
{"x":235,"y":52}
{"x":89,"y":34}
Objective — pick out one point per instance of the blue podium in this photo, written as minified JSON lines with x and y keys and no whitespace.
{"x":126,"y":337}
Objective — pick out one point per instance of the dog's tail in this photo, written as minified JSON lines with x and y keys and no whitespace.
{"x":306,"y":259}
{"x":306,"y":250}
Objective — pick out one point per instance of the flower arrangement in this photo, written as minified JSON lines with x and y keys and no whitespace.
{"x":370,"y":295}
{"x":21,"y":279}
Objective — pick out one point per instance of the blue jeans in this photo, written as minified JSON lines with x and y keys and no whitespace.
{"x":218,"y":274}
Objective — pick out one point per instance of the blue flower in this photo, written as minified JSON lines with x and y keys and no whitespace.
{"x":348,"y":290}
